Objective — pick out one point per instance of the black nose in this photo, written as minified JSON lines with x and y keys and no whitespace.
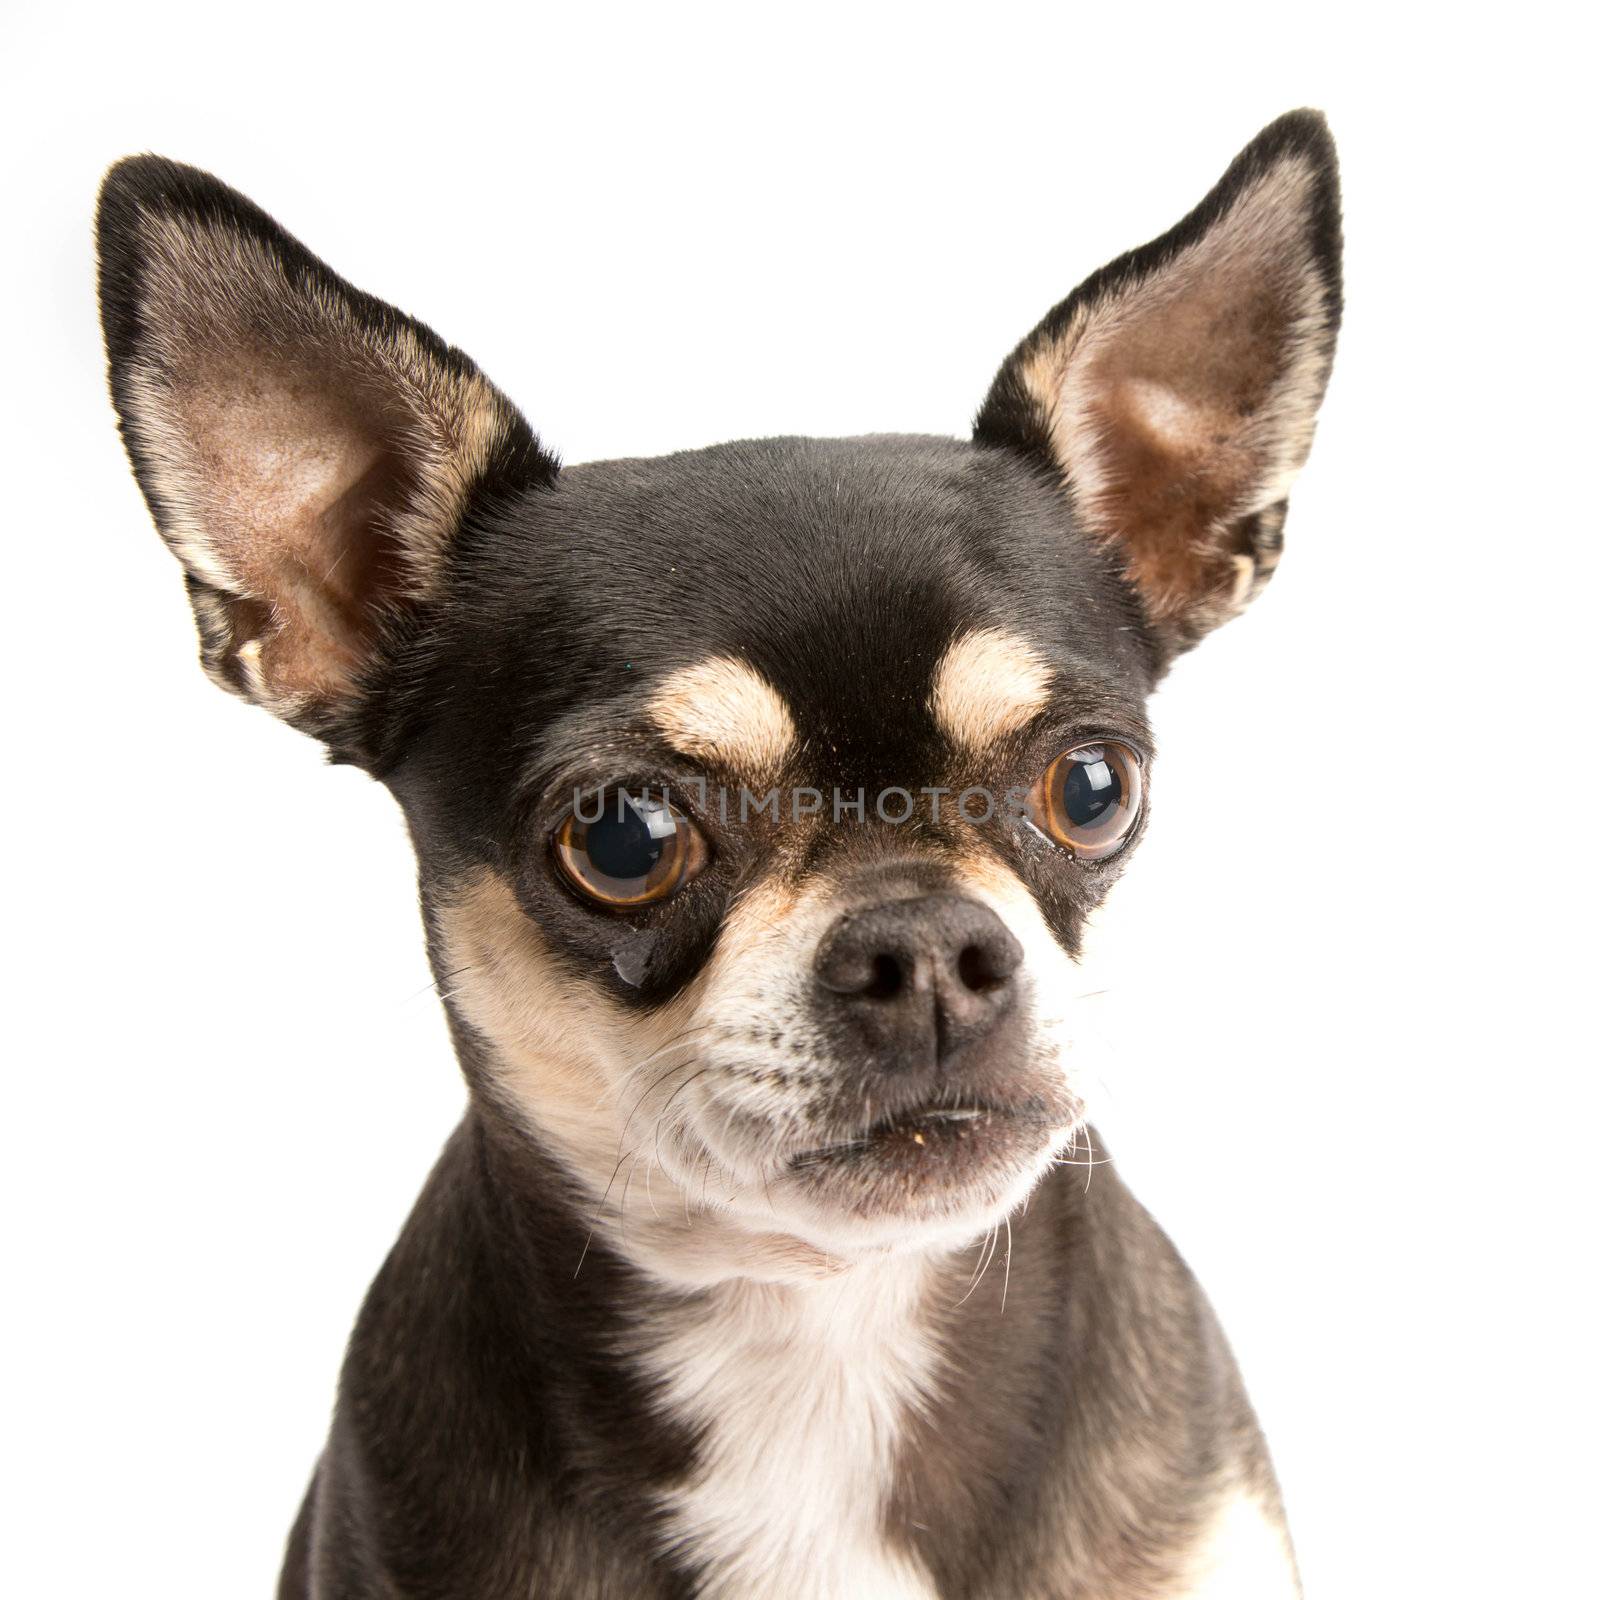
{"x":917,"y":980}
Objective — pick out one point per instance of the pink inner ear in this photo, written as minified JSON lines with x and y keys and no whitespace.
{"x":1171,"y":411}
{"x":1182,"y":403}
{"x":308,"y":454}
{"x":298,"y":478}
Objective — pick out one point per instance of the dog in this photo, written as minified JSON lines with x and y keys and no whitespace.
{"x":760,"y":794}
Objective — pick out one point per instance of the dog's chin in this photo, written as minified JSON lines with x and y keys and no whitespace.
{"x":941,"y":1176}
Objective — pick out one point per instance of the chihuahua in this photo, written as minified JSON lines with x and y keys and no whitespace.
{"x":760,"y":794}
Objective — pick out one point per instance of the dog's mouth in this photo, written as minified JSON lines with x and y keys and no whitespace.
{"x":933,"y":1149}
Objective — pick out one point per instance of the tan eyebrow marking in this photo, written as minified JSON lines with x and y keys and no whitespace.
{"x":989,"y":684}
{"x":721,"y":709}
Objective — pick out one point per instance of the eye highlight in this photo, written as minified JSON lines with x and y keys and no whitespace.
{"x":1089,"y":799}
{"x":637,"y":850}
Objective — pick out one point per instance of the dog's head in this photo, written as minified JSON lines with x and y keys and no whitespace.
{"x":760,"y":792}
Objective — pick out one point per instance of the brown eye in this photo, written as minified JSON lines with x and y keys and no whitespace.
{"x":1088,"y":799}
{"x":633,"y":850}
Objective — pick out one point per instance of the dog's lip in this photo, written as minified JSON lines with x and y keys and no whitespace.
{"x":925,"y":1127}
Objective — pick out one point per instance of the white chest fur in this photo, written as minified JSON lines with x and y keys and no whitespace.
{"x":799,"y":1394}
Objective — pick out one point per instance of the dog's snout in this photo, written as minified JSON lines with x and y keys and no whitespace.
{"x":919,"y":979}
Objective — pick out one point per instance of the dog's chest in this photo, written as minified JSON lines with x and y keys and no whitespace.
{"x":798,"y":1397}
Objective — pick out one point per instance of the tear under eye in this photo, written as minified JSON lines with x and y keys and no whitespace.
{"x":1089,"y":799}
{"x":636,"y":851}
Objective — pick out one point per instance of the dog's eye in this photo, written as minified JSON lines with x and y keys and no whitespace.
{"x":636,"y":851}
{"x":1088,"y":799}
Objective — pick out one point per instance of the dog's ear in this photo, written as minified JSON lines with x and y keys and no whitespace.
{"x":1176,"y":390}
{"x":308,"y":452}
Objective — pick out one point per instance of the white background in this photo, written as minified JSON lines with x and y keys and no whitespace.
{"x":1352,"y":971}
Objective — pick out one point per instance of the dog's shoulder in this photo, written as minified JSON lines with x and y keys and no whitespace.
{"x":484,"y":1440}
{"x":1090,"y":1432}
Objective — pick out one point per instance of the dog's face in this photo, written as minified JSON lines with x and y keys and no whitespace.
{"x":788,"y":862}
{"x":760,"y":792}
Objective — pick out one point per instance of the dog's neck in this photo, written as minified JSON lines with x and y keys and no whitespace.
{"x":795,"y":1373}
{"x":924,"y":1420}
{"x":799,"y":1395}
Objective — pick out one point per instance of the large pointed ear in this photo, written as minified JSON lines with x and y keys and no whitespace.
{"x":307,"y":451}
{"x":1176,"y":390}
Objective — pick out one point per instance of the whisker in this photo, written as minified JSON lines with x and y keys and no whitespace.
{"x":594,"y":1220}
{"x":984,"y":1257}
{"x":1005,"y":1287}
{"x":434,"y":983}
{"x":662,"y":1113}
{"x":656,"y":1054}
{"x":656,"y":1083}
{"x":622,"y":1205}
